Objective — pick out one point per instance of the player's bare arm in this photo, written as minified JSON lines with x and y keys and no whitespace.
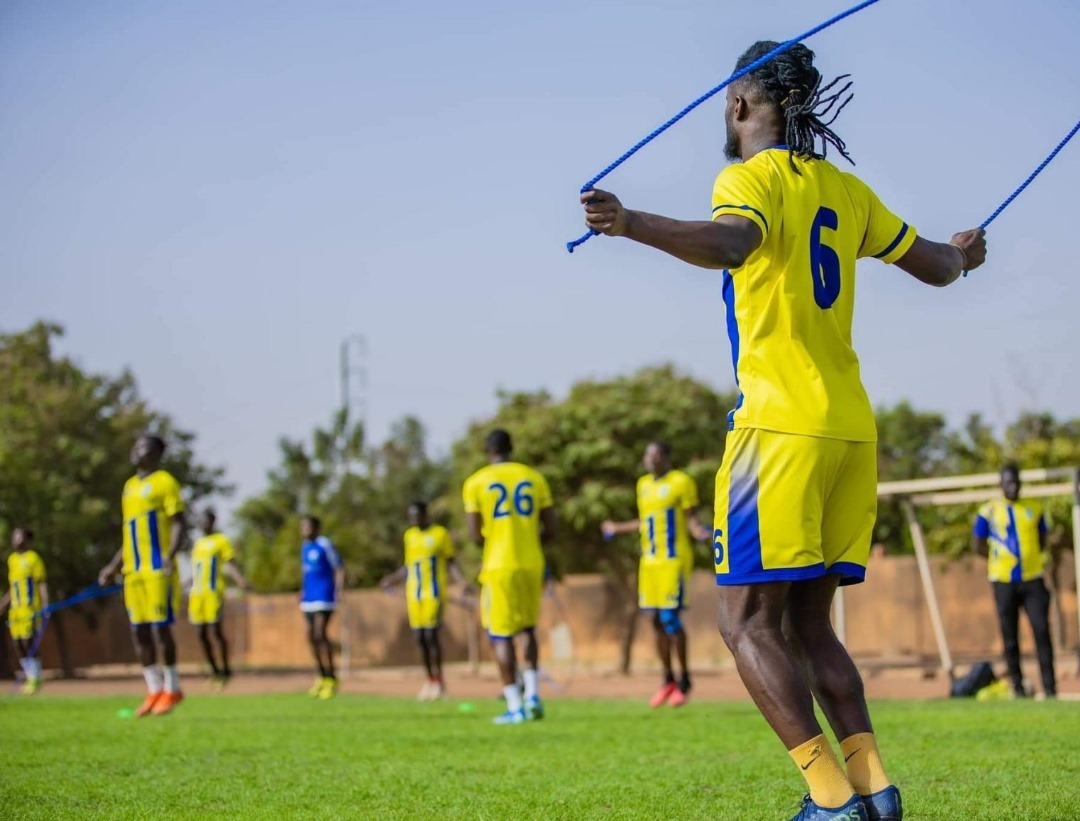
{"x":475,"y":523}
{"x":610,"y":528}
{"x":941,"y":263}
{"x":457,"y":575}
{"x":179,"y":533}
{"x":726,"y":242}
{"x":109,"y":571}
{"x":980,"y":545}
{"x":1050,"y":571}
{"x":234,"y":573}
{"x":43,"y":591}
{"x":5,"y":601}
{"x":697,"y":530}
{"x":392,"y":580}
{"x":549,"y":525}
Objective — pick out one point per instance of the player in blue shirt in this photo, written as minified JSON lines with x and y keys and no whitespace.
{"x":323,"y":580}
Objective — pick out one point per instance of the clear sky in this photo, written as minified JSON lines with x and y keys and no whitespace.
{"x":215,"y":194}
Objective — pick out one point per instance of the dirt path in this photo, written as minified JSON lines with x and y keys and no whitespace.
{"x":462,"y":683}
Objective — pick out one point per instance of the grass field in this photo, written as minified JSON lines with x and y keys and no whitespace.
{"x":287,"y":756}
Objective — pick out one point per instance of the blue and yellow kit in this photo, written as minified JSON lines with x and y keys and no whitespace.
{"x":1014,"y":531}
{"x":149,"y":505}
{"x":667,"y":555}
{"x":209,"y":556}
{"x":26,"y":574}
{"x":796,"y":494}
{"x":427,"y":553}
{"x":509,"y":497}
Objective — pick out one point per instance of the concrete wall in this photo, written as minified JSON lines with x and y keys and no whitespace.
{"x":887,"y":621}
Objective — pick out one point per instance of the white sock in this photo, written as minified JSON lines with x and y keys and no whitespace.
{"x":35,"y":668}
{"x":513,"y":698}
{"x":172,"y":680}
{"x":532,"y":683}
{"x":152,"y":674}
{"x":27,"y":667}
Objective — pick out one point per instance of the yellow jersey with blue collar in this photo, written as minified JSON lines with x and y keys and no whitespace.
{"x":789,"y":307}
{"x":26,"y":572}
{"x":427,"y":552}
{"x":209,"y":555}
{"x":663,"y":506}
{"x":1013,"y":531}
{"x":509,"y":497}
{"x":149,"y":504}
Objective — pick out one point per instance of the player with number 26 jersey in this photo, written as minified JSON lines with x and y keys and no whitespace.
{"x":509,"y":497}
{"x":801,"y":445}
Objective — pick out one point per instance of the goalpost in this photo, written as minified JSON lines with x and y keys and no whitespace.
{"x":957,"y":490}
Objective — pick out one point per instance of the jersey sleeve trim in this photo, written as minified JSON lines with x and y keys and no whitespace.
{"x":469,"y":496}
{"x":747,"y":211}
{"x":982,"y":527}
{"x":899,"y":246}
{"x":331,"y":552}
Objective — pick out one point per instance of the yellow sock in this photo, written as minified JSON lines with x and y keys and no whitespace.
{"x":864,"y":768}
{"x":824,"y":776}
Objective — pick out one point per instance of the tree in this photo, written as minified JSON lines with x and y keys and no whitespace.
{"x":65,"y":440}
{"x":911,"y":444}
{"x":360,"y":493}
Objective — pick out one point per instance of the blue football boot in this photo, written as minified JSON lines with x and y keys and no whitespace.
{"x":534,"y":708}
{"x":853,"y":810}
{"x":884,"y":805}
{"x":511,"y":717}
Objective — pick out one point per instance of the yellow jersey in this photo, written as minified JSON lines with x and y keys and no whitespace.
{"x":26,"y":572}
{"x":209,"y":555}
{"x":789,"y":307}
{"x":426,"y":555}
{"x":1013,"y":530}
{"x":663,"y":505}
{"x":509,"y":497}
{"x":149,"y":504}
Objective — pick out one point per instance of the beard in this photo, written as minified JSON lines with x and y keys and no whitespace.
{"x":732,"y":145}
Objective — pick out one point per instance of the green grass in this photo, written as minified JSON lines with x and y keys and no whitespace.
{"x":380,"y":758}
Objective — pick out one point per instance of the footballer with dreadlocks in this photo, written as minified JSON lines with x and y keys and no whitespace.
{"x":796,"y":495}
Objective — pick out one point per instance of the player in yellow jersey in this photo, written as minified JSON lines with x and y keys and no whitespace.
{"x":509,"y":510}
{"x":667,"y":502}
{"x":1012,"y":533}
{"x":154,"y":529}
{"x":212,"y":559}
{"x":28,"y":596}
{"x":429,"y":562}
{"x":795,"y":496}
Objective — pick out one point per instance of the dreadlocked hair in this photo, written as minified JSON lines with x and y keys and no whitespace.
{"x":791,"y":82}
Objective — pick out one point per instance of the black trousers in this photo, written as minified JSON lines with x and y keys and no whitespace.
{"x":1034,"y":598}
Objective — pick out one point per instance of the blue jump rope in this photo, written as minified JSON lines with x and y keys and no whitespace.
{"x":754,"y":66}
{"x":94,"y":591}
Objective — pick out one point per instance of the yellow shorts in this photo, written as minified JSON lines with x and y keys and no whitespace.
{"x":792,"y":507}
{"x":205,"y":608}
{"x":510,"y":601}
{"x":662,"y":585}
{"x":23,"y":622}
{"x":151,"y":597}
{"x":424,"y":613}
